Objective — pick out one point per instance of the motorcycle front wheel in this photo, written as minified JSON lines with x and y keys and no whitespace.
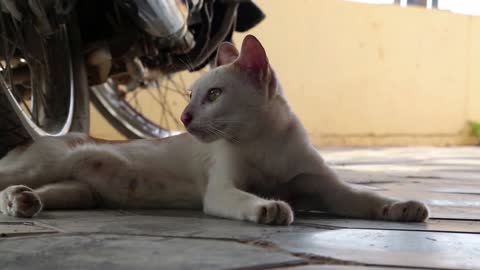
{"x":151,"y":111}
{"x":43,"y":84}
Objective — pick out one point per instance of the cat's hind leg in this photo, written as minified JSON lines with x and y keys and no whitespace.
{"x":67,"y":195}
{"x":22,"y":201}
{"x":326,"y":192}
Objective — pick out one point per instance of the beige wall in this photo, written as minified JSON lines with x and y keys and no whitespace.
{"x":361,"y":74}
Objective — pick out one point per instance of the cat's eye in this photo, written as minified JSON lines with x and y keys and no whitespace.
{"x":190,"y":94}
{"x":213,"y":94}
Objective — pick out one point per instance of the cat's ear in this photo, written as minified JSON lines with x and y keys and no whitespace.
{"x":253,"y":58}
{"x":226,"y":54}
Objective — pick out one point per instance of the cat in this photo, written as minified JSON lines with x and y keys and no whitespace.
{"x":246,"y":156}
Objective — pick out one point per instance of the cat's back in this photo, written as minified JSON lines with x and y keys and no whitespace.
{"x":179,"y":153}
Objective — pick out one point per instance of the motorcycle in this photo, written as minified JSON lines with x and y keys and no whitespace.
{"x":57,"y":55}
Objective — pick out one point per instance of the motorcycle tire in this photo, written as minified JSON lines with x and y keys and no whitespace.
{"x":52,"y":99}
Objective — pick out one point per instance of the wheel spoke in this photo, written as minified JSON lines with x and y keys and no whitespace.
{"x":168,"y":94}
{"x":134,"y":98}
{"x":22,"y":44}
{"x":182,"y":94}
{"x":7,"y":55}
{"x":163,"y":116}
{"x":137,"y":104}
{"x":164,"y":101}
{"x":7,"y":68}
{"x":162,"y":119}
{"x":28,"y":110}
{"x":182,"y":81}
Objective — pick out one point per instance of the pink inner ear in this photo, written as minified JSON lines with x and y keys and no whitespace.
{"x":253,"y":57}
{"x":226,"y":54}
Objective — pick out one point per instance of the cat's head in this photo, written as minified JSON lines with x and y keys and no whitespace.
{"x":229,"y":100}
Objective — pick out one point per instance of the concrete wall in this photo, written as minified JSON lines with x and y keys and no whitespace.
{"x":359,"y":74}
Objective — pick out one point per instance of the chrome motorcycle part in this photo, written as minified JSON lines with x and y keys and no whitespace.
{"x":161,"y":19}
{"x":122,"y":102}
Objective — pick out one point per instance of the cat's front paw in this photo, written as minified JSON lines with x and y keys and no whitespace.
{"x":19,"y":201}
{"x":274,"y":213}
{"x":406,"y":211}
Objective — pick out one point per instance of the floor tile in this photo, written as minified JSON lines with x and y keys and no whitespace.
{"x":432,"y":225}
{"x":388,"y":247}
{"x":134,"y":252}
{"x":9,"y":229}
{"x":160,"y":223}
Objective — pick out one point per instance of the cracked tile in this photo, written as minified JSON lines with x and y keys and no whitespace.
{"x":12,"y":228}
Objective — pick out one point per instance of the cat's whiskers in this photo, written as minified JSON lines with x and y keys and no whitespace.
{"x":219,"y":121}
{"x":212,"y":131}
{"x":209,"y":128}
{"x":229,"y":122}
{"x":225,"y":121}
{"x":225,"y":135}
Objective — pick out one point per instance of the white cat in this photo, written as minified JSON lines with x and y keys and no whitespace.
{"x":244,"y":147}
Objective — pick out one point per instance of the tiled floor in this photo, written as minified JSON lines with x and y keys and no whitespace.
{"x":446,"y":178}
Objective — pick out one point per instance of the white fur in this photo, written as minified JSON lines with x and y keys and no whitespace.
{"x":255,"y":155}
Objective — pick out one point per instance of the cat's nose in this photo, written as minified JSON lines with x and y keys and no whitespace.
{"x":186,"y":118}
